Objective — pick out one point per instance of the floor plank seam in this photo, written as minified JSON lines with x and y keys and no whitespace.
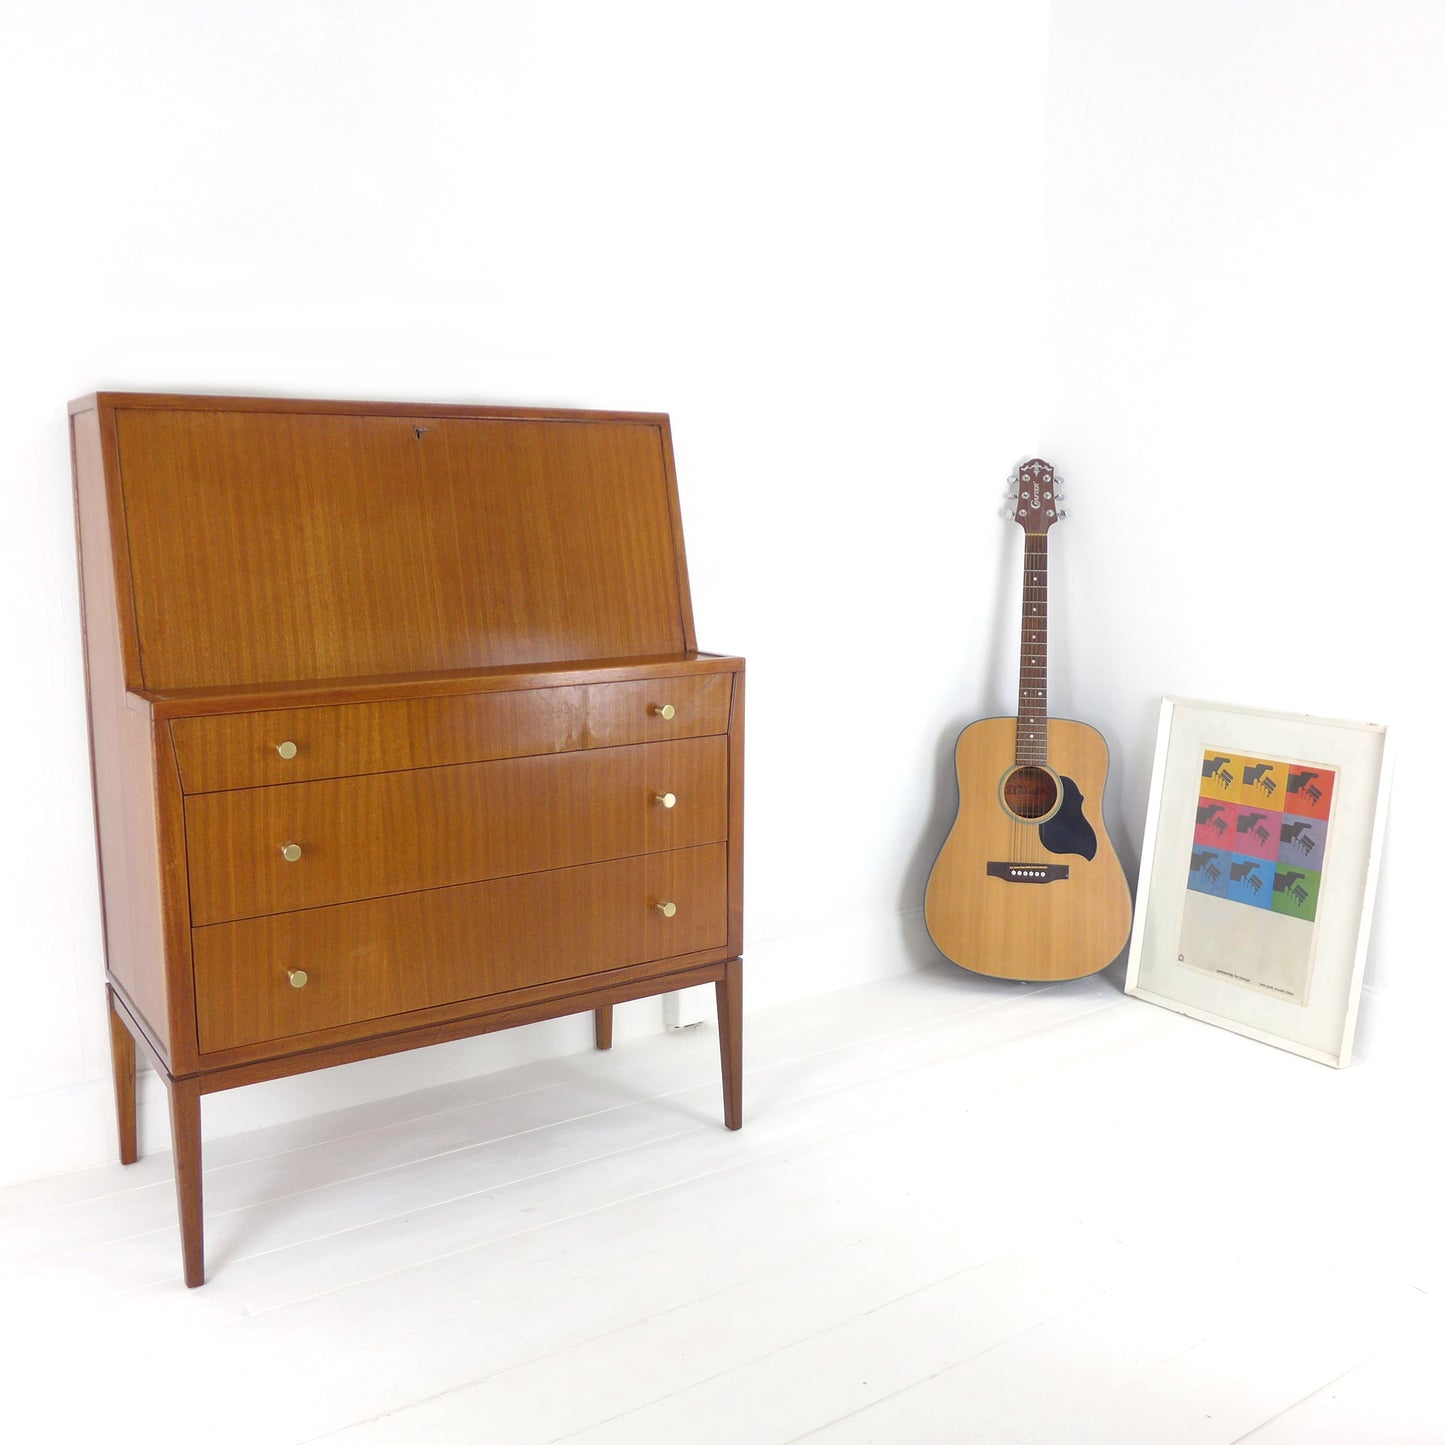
{"x":1295,"y":1404}
{"x":822,"y":1334}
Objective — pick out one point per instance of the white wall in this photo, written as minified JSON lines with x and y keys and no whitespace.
{"x":1245,"y":312}
{"x":789,"y":225}
{"x":840,"y":246}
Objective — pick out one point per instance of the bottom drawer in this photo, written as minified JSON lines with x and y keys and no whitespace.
{"x":386,"y":956}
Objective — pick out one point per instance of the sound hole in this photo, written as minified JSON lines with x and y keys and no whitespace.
{"x":1030,"y":792}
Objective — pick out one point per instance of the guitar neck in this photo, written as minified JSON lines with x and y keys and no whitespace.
{"x":1033,"y":715}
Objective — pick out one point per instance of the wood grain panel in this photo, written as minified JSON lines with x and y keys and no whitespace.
{"x":122,"y":763}
{"x":424,"y":1028}
{"x":432,"y":827}
{"x":578,"y":552}
{"x":385,"y":957}
{"x":241,"y":750}
{"x":270,"y":546}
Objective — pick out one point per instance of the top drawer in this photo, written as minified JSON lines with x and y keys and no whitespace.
{"x":246,"y":750}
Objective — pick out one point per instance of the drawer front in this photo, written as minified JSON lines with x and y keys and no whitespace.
{"x":249,"y":750}
{"x":304,"y":845}
{"x":389,"y":956}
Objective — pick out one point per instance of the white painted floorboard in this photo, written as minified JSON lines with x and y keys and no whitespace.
{"x":958,"y":1211}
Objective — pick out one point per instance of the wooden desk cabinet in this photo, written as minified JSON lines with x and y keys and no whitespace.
{"x":399,"y":733}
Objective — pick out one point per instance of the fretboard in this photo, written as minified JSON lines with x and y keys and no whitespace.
{"x":1033,"y":730}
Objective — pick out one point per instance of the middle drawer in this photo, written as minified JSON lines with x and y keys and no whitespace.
{"x":303,"y":845}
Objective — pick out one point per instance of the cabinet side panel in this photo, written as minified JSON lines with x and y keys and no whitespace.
{"x":121,"y":757}
{"x":735,"y":820}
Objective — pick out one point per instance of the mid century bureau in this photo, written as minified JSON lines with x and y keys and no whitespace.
{"x":399,"y":734}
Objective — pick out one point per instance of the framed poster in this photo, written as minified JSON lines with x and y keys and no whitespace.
{"x":1258,"y":872}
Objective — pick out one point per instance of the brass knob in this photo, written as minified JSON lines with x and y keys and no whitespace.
{"x":298,"y":977}
{"x":666,"y":712}
{"x":287,"y":750}
{"x":668,"y":800}
{"x":291,"y":852}
{"x":666,"y":909}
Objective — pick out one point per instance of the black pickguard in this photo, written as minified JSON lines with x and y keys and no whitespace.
{"x":1068,"y":831}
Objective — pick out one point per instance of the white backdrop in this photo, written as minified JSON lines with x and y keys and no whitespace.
{"x":1245,"y":305}
{"x":867,"y":257}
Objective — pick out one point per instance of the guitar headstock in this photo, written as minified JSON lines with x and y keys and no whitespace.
{"x":1034,"y":496}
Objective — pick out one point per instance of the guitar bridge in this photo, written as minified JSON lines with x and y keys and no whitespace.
{"x":1028,"y":872}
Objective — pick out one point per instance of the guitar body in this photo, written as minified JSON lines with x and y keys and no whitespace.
{"x":1027,"y":885}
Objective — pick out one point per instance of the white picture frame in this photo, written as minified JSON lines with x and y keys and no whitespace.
{"x":1253,"y":910}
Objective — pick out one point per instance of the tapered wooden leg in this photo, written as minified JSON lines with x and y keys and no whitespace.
{"x":186,"y":1144}
{"x":602,"y":1026}
{"x":730,"y":1040}
{"x":122,"y":1066}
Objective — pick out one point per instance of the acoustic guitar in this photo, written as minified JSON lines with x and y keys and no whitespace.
{"x":1027,"y":885}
